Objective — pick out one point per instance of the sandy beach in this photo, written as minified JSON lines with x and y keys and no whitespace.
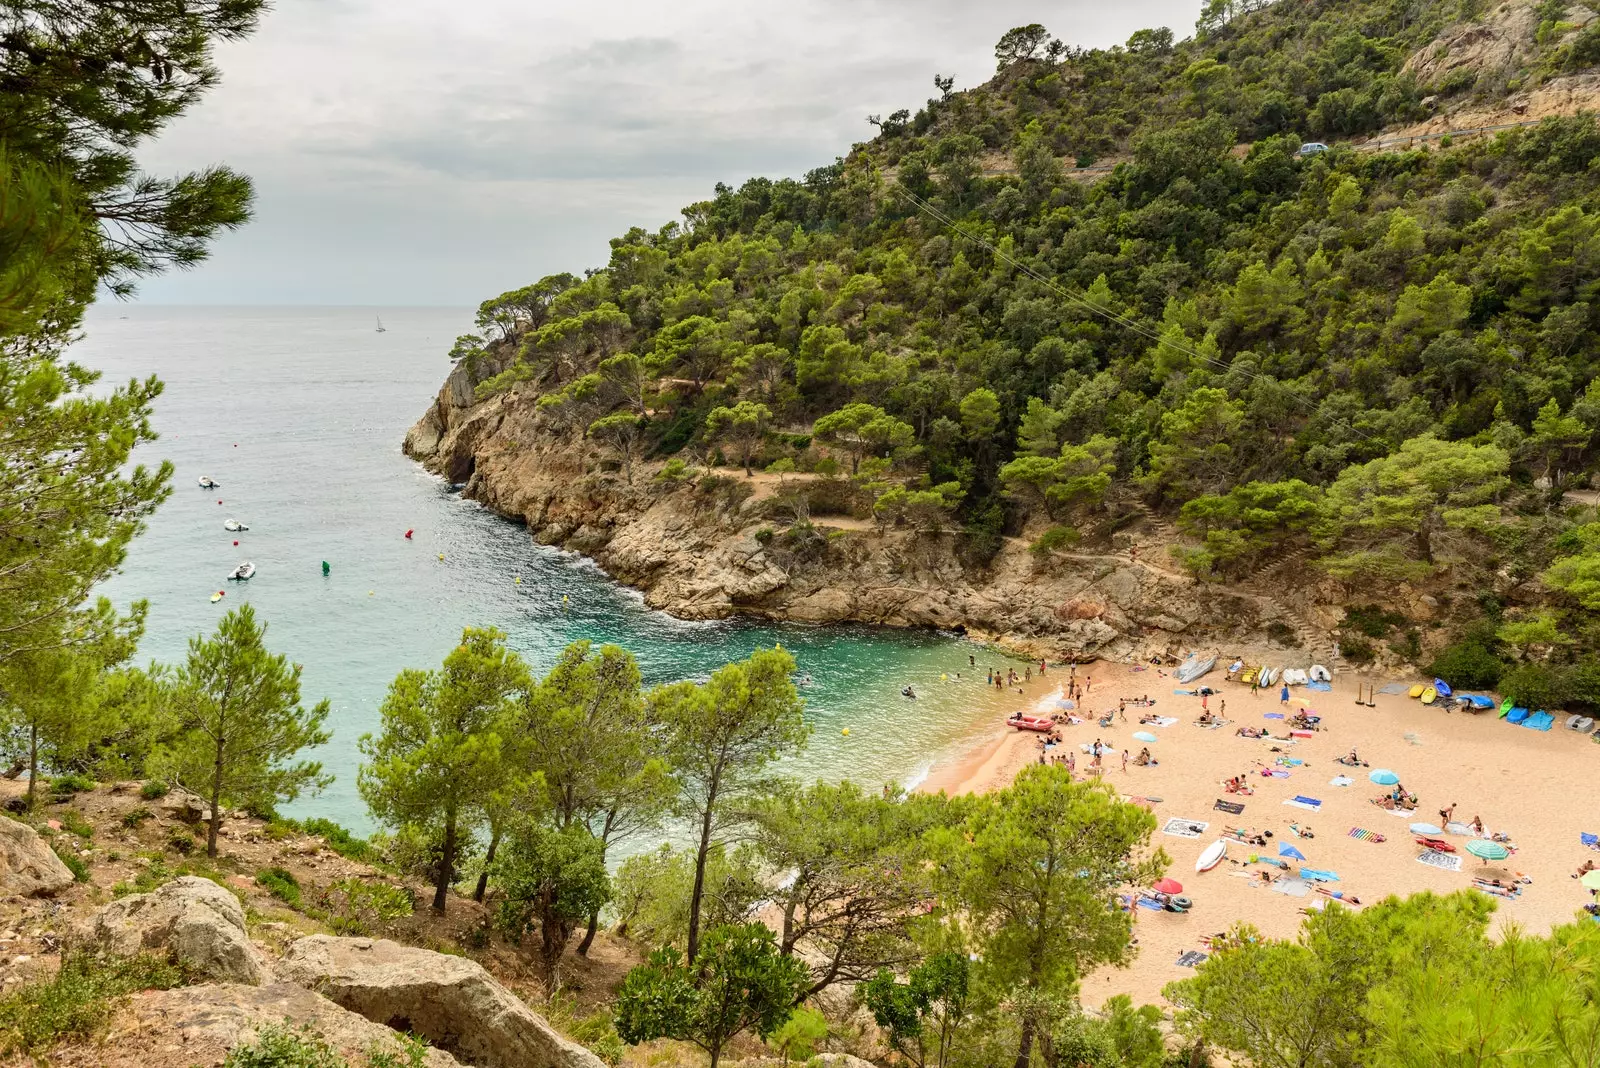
{"x":1536,"y":787}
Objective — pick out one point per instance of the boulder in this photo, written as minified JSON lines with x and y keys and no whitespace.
{"x":186,"y":806}
{"x":197,"y":923}
{"x":450,"y":1001}
{"x":212,"y":1019}
{"x":28,"y":866}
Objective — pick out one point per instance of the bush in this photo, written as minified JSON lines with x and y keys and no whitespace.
{"x":154,"y":789}
{"x":1053,"y":539}
{"x":1471,"y":662}
{"x":1283,"y":634}
{"x":78,"y":1002}
{"x":674,"y":470}
{"x":74,"y":863}
{"x":276,"y":1047}
{"x":354,"y":907}
{"x":71,"y":783}
{"x":280,"y":883}
{"x":135,"y":816}
{"x":1370,"y":621}
{"x":181,"y":841}
{"x":72,"y":822}
{"x":341,"y":841}
{"x":1357,"y":650}
{"x":1537,"y":686}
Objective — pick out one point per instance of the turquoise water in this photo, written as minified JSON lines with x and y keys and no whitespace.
{"x":298,"y":413}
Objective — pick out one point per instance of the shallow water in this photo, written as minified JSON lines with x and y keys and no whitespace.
{"x":298,"y":414}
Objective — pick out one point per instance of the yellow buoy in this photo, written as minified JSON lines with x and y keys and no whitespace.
{"x":845,"y":731}
{"x":370,"y":593}
{"x":441,"y":556}
{"x":944,"y":677}
{"x":517,"y":580}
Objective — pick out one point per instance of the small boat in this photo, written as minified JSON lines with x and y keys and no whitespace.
{"x":1194,"y":667}
{"x":1212,"y":856}
{"x":207,"y":482}
{"x":1320,"y":674}
{"x":215,"y":597}
{"x":1042,"y":724}
{"x":381,"y":327}
{"x":233,"y":524}
{"x":244,"y":571}
{"x":1429,"y":695}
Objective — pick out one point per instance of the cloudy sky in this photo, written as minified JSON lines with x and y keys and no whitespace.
{"x":440,"y":151}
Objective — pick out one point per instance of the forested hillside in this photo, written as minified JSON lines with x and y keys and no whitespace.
{"x":1381,"y":360}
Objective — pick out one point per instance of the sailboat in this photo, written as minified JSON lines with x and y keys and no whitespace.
{"x":381,"y":327}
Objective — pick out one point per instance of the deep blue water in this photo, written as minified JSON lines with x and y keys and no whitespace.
{"x":299,"y":413}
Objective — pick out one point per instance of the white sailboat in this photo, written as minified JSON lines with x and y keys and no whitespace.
{"x":381,"y":327}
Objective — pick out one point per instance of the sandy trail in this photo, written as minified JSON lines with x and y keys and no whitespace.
{"x":1538,"y":787}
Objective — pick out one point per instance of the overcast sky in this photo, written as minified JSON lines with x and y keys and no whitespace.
{"x":441,"y":151}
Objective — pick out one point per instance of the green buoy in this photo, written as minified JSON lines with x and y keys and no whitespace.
{"x":325,"y":567}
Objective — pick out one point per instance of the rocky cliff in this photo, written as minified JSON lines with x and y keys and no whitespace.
{"x":719,"y":545}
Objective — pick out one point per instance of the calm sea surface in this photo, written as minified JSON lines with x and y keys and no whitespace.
{"x":299,"y":413}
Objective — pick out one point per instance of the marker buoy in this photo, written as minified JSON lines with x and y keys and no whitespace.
{"x":408,"y":535}
{"x":325,"y":567}
{"x":370,"y":593}
{"x":219,"y":502}
{"x":215,"y":597}
{"x":236,"y":541}
{"x":845,"y":731}
{"x":517,"y":580}
{"x":441,"y":556}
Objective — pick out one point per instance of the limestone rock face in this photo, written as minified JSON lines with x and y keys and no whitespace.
{"x":28,"y":866}
{"x":194,"y":921}
{"x":212,"y":1019}
{"x":450,"y":1001}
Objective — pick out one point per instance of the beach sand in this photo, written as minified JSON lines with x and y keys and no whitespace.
{"x":1535,"y":786}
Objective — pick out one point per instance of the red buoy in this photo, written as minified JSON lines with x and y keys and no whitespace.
{"x":236,"y":541}
{"x":219,"y":502}
{"x":408,"y":535}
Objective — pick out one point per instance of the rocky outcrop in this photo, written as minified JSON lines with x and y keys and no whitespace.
{"x":450,"y":1001}
{"x":718,"y":547}
{"x":1500,"y":41}
{"x":199,"y":1025}
{"x":185,"y":805}
{"x":28,"y":866}
{"x":191,"y":920}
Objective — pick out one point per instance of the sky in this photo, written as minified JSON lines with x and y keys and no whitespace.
{"x":437,"y":152}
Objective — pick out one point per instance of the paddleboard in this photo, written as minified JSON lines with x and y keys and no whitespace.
{"x":1430,"y":695}
{"x":1212,"y":856}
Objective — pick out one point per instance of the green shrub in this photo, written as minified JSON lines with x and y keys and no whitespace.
{"x":73,"y":822}
{"x":147,"y":880}
{"x":1370,"y":621}
{"x":1537,"y":686}
{"x":71,"y":783}
{"x":280,"y":883}
{"x":74,"y":863}
{"x":181,"y":841}
{"x":598,"y":1033}
{"x":136,"y":815}
{"x":356,"y":907}
{"x":153,"y":790}
{"x":338,"y":839}
{"x":1059,"y":537}
{"x":674,"y":470}
{"x":1357,"y":650}
{"x":1283,"y":634}
{"x":78,"y":1002}
{"x":1471,"y":662}
{"x":277,"y":1047}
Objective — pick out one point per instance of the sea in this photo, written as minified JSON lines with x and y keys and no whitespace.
{"x":298,"y":415}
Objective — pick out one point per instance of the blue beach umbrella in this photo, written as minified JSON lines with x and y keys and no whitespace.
{"x":1383,"y":776}
{"x":1144,"y":736}
{"x":1287,"y":850}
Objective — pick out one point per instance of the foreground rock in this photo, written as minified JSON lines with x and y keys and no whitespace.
{"x":28,"y":866}
{"x":198,"y":1025}
{"x":195,"y":922}
{"x":450,"y":1001}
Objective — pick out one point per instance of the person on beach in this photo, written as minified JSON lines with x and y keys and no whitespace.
{"x":1143,"y":760}
{"x":1446,"y":813}
{"x":1027,"y":673}
{"x":1222,"y":707}
{"x":1124,"y":760}
{"x":1477,"y":826}
{"x":1072,"y":763}
{"x":1041,"y":666}
{"x":972,"y":661}
{"x":1283,"y":696}
{"x":1255,"y":684}
{"x":1583,"y":869}
{"x":1088,"y":683}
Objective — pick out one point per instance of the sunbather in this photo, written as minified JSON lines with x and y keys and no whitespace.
{"x":1206,"y":718}
{"x":1144,"y":759}
{"x":1151,"y":718}
{"x":1583,"y":869}
{"x":1251,"y":732}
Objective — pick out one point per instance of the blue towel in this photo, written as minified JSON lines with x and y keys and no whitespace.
{"x":1315,"y":876}
{"x":1287,"y":850}
{"x":1516,"y":715}
{"x":1273,"y":715}
{"x":1539,"y":721}
{"x":1590,"y":840}
{"x":1321,"y":687}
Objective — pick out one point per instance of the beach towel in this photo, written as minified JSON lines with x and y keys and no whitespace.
{"x":1291,"y":886}
{"x":1301,"y":801}
{"x":1191,"y":959}
{"x":1275,"y":773}
{"x":1394,"y":687}
{"x":1366,"y":836}
{"x":1444,"y":861}
{"x":1539,"y":721}
{"x":1152,"y":904}
{"x":1166,"y":721}
{"x":1590,"y":840}
{"x":1302,"y":734}
{"x":1287,"y":850}
{"x":1232,"y":808}
{"x":1316,"y":875}
{"x":1340,"y":780}
{"x":1182,"y":828}
{"x":1463,"y":829}
{"x":1273,"y":715}
{"x":1321,"y":687}
{"x":1184,"y":693}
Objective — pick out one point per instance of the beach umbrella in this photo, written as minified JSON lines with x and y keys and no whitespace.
{"x":1167,"y":886}
{"x":1590,"y":880}
{"x":1287,"y":850}
{"x":1383,"y":776}
{"x":1144,"y":736}
{"x":1066,"y":706}
{"x":1425,"y":828}
{"x":1487,"y":849}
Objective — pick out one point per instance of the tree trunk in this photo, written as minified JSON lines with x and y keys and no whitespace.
{"x":1197,"y":1056}
{"x":447,"y":863}
{"x":488,"y":859}
{"x":700,"y":883}
{"x":216,"y":800}
{"x":33,"y":764}
{"x":1025,"y":1047}
{"x":588,"y":936}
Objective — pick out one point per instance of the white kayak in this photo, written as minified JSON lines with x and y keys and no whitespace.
{"x":207,"y":482}
{"x":1320,"y":674}
{"x":233,"y":524}
{"x":1212,"y":856}
{"x":243,"y":571}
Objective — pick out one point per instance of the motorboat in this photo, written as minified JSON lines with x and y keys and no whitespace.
{"x":244,"y":571}
{"x":1042,"y":724}
{"x":207,"y":482}
{"x":1194,"y":667}
{"x":233,"y":524}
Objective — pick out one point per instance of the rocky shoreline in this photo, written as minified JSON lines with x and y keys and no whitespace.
{"x":723,"y":545}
